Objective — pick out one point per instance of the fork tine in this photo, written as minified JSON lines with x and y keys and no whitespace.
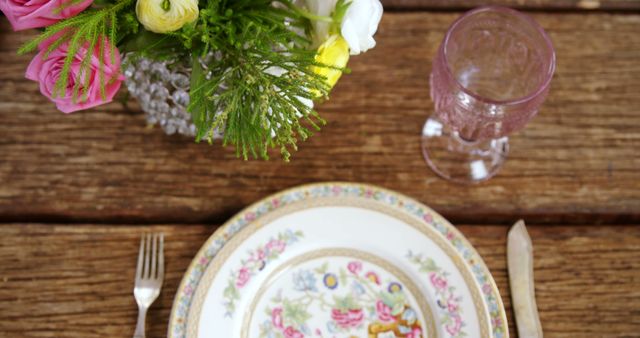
{"x":147,"y":248}
{"x":154,"y":256}
{"x":140,"y":259}
{"x":161,"y":257}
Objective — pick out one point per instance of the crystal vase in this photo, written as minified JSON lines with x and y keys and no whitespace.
{"x":162,"y":90}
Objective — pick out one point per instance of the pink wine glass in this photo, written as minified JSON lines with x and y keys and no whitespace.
{"x":490,"y":76}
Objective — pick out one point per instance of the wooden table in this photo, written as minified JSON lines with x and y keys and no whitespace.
{"x":77,"y":191}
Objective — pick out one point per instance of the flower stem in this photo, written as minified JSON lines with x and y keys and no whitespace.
{"x":311,"y":16}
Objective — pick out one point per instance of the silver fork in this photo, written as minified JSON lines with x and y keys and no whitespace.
{"x":149,"y":276}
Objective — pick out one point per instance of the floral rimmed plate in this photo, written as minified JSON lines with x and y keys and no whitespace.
{"x":337,"y":260}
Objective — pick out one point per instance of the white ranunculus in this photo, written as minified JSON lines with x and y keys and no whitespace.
{"x":164,"y":16}
{"x":360,"y":23}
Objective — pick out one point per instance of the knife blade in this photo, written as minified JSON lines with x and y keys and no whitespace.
{"x":520,"y":263}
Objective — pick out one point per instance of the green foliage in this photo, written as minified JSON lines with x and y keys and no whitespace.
{"x":236,"y":92}
{"x":86,"y":30}
{"x":295,"y":312}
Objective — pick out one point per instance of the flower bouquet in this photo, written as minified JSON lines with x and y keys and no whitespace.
{"x":246,"y":71}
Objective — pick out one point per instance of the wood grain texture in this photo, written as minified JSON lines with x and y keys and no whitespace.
{"x":76,"y":281}
{"x":523,"y":4}
{"x":577,"y":161}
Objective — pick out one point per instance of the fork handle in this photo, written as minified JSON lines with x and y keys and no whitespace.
{"x":140,"y":327}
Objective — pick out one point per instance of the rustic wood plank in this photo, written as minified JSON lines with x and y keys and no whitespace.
{"x":523,"y":4}
{"x":577,"y":161}
{"x":76,"y":280}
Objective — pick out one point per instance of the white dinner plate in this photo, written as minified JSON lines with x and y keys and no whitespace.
{"x":337,"y":260}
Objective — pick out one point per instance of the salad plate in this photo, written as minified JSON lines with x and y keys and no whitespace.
{"x":337,"y":260}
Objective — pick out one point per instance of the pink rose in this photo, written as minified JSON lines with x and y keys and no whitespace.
{"x":290,"y":332}
{"x":354,"y":267}
{"x":349,"y":319}
{"x":46,"y":70}
{"x":276,"y":245}
{"x":384,"y":312}
{"x":243,"y":277}
{"x":438,"y":282}
{"x":25,"y":14}
{"x":455,"y":327}
{"x":276,"y":317}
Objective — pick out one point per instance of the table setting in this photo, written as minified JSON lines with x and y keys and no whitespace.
{"x":291,"y":169}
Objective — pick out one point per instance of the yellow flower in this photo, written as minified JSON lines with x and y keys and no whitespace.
{"x":333,"y":52}
{"x":163,"y":16}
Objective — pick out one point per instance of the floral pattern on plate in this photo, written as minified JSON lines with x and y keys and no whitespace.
{"x":184,"y":296}
{"x":446,"y":299}
{"x":356,"y":300}
{"x":254,"y":263}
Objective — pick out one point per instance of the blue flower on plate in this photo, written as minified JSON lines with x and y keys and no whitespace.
{"x":304,"y":280}
{"x":330,"y":281}
{"x":358,"y":288}
{"x":409,"y":316}
{"x":394,"y":287}
{"x":332,"y":327}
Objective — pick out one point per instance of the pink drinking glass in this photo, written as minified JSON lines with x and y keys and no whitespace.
{"x":490,"y":76}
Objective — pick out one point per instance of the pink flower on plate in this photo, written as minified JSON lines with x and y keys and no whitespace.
{"x":243,"y":277}
{"x":276,"y":317}
{"x":354,"y":267}
{"x":496,"y":321}
{"x":372,"y":276}
{"x":47,"y":70}
{"x":454,"y":328}
{"x":276,"y":245}
{"x":427,"y":217}
{"x":452,"y":307}
{"x":415,"y":333}
{"x":486,"y":289}
{"x":26,"y":14}
{"x":438,"y":282}
{"x":260,"y":254}
{"x":275,"y":202}
{"x":290,"y":332}
{"x":347,"y":319}
{"x":250,"y":216}
{"x":384,"y":312}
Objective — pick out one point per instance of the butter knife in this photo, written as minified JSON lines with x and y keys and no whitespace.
{"x":520,"y":262}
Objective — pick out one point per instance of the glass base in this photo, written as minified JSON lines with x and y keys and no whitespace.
{"x":458,"y":160}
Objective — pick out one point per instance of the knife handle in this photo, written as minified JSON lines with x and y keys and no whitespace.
{"x":520,"y":262}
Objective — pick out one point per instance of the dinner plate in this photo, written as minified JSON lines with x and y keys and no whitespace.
{"x":337,"y":260}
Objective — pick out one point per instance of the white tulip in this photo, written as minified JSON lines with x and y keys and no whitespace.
{"x":360,"y":23}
